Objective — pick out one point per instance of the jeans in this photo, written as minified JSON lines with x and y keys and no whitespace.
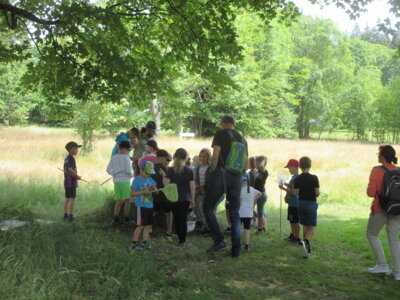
{"x":215,"y":189}
{"x":260,"y":205}
{"x":375,"y":224}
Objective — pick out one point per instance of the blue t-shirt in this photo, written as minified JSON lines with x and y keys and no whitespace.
{"x":69,"y":180}
{"x":120,"y":137}
{"x":140,"y":184}
{"x":293,"y":200}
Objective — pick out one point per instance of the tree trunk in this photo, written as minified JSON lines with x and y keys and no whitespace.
{"x":155,"y":109}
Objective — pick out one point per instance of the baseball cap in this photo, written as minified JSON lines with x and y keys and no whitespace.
{"x":71,"y":145}
{"x":152,"y":143}
{"x":151,"y":125}
{"x":148,"y":167}
{"x":292,"y":163}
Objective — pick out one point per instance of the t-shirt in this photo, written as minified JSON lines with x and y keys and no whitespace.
{"x":252,"y":176}
{"x":159,"y":180}
{"x":149,"y":157}
{"x":69,"y":180}
{"x":306,"y":184}
{"x":224,"y":140}
{"x":182,"y":181}
{"x":140,"y":184}
{"x":292,"y":200}
{"x":247,"y":202}
{"x":120,"y":168}
{"x":260,"y":179}
{"x":200,"y":175}
{"x":140,"y":148}
{"x":120,"y":137}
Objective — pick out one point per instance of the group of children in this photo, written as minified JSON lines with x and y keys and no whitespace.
{"x":154,"y":173}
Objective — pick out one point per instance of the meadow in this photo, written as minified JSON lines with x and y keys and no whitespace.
{"x":89,"y":258}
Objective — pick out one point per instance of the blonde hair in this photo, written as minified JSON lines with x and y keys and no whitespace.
{"x":207,"y":152}
{"x":262,"y":160}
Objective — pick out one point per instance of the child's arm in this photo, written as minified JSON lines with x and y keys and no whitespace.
{"x":295,"y":192}
{"x":73,"y":173}
{"x":135,"y":193}
{"x":317,"y":193}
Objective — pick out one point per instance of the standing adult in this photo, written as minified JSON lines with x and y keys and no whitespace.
{"x":220,"y":181}
{"x":147,"y":133}
{"x":379,"y":217}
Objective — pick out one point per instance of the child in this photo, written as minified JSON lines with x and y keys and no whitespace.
{"x":306,"y":186}
{"x":120,"y":168}
{"x":160,"y":202}
{"x":292,"y":201}
{"x":200,"y":181}
{"x":71,"y":178}
{"x":248,"y":199}
{"x":131,"y":136}
{"x":141,"y":188}
{"x":253,"y":171}
{"x":182,"y":176}
{"x":259,"y":185}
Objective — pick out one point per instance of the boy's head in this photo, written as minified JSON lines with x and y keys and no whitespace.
{"x":305,"y":163}
{"x":133,"y":133}
{"x":147,"y":169}
{"x":227,"y":122}
{"x":124,"y":147}
{"x":163,"y":157}
{"x":293,"y":166}
{"x":72,"y":147}
{"x":152,"y":146}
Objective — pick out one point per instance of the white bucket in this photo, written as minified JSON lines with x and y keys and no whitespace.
{"x":190,"y":226}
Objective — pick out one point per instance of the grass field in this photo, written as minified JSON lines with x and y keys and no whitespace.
{"x":88,"y":259}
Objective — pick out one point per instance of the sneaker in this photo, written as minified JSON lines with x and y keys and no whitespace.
{"x":246,"y":248}
{"x":217,"y":248}
{"x":289,"y":238}
{"x":147,"y":246}
{"x":383,"y":268}
{"x":228,"y":229}
{"x":115,"y":220}
{"x":235,"y":254}
{"x":127,"y":221}
{"x":293,"y":239}
{"x":136,"y":247}
{"x":303,"y":249}
{"x":71,"y":218}
{"x":308,"y":246}
{"x":65,"y":217}
{"x":204,"y":231}
{"x":169,"y":234}
{"x":395,"y":275}
{"x":181,"y":245}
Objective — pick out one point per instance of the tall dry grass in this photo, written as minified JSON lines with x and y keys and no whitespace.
{"x":34,"y":153}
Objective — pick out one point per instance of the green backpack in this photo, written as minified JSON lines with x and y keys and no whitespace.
{"x":237,"y":157}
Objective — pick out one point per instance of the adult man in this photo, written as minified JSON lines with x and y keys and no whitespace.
{"x":146,"y":133}
{"x":220,"y":181}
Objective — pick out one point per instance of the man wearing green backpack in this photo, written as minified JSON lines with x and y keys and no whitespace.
{"x":228,"y":163}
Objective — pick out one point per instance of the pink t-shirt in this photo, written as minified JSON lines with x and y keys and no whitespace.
{"x":149,"y":157}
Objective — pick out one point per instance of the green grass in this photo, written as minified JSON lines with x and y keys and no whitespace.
{"x":88,"y":259}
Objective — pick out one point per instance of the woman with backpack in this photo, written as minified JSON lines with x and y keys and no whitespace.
{"x":380,"y":217}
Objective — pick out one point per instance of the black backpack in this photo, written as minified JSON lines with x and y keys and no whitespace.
{"x":390,"y":196}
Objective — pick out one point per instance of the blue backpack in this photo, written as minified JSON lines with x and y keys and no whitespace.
{"x":236,"y":160}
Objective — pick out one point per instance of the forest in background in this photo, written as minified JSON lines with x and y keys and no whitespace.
{"x":294,"y":80}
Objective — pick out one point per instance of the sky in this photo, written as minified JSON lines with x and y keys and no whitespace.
{"x":378,"y":9}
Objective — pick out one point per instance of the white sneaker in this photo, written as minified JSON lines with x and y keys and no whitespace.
{"x":303,"y":249}
{"x":395,"y":275}
{"x":384,"y":268}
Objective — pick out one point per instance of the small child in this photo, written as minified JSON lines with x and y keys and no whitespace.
{"x":120,"y":168}
{"x":142,"y":187}
{"x":259,"y":184}
{"x":71,"y":178}
{"x":200,"y":181}
{"x":131,"y":136}
{"x":306,"y":186}
{"x":292,"y":201}
{"x":253,"y":171}
{"x":248,"y":199}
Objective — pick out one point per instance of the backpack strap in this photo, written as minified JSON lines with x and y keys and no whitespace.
{"x":384,"y":168}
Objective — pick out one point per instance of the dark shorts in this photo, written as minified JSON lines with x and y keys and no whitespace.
{"x":164,"y":206}
{"x":308,"y":212}
{"x":293,"y":215}
{"x":246,"y":223}
{"x":70,"y":192}
{"x":144,"y":216}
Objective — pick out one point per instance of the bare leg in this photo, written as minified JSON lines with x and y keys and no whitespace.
{"x":137,"y":233}
{"x":309,"y":232}
{"x":296,"y":230}
{"x":127,"y":207}
{"x":146,"y":232}
{"x":71,"y":206}
{"x":247,"y":236}
{"x":261,"y":222}
{"x":66,"y":203}
{"x":169,"y":222}
{"x":117,"y":207}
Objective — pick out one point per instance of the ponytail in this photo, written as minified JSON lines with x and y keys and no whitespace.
{"x":388,"y":153}
{"x":177,"y":165}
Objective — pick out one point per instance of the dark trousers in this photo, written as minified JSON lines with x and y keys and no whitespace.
{"x":215,"y":189}
{"x":180,"y":211}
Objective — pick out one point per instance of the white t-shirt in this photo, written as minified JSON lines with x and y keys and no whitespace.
{"x":247,"y":202}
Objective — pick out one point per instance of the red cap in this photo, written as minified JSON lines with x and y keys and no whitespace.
{"x":292,"y":163}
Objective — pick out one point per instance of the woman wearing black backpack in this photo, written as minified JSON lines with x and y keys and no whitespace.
{"x":379,"y":217}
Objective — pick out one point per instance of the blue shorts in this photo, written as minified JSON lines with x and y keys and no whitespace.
{"x":308,"y":212}
{"x":260,"y":205}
